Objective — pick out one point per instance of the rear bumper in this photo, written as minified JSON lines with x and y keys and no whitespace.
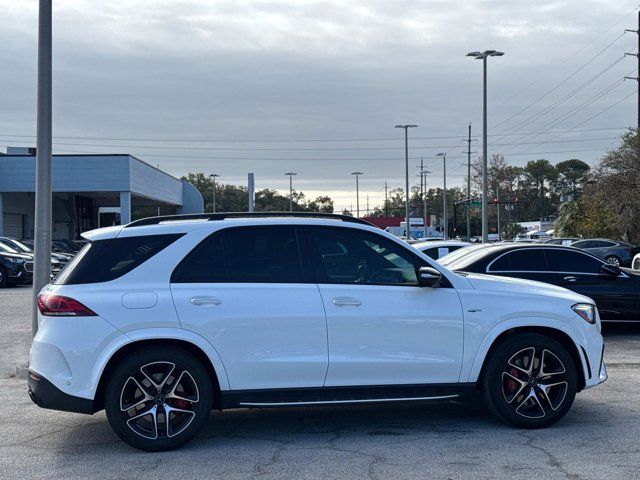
{"x":46,"y":395}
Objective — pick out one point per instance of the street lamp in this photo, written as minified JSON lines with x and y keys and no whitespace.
{"x":406,"y":164}
{"x":291,"y":174}
{"x":444,"y":195}
{"x":357,"y":174}
{"x":485,"y":189}
{"x":213,"y":199}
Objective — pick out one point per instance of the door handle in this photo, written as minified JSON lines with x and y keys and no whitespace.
{"x":570,"y":278}
{"x":346,"y":302}
{"x":205,"y":301}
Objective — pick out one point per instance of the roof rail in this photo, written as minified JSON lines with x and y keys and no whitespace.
{"x":223,"y":216}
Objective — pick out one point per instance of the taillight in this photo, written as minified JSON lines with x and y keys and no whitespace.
{"x":59,"y":306}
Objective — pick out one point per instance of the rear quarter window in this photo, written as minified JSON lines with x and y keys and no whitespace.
{"x":105,"y":260}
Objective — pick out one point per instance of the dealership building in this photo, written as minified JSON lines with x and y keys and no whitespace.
{"x":89,"y":191}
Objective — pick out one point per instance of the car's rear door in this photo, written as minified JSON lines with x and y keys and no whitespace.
{"x":383,"y":328}
{"x":250,"y":292}
{"x":617,"y":298}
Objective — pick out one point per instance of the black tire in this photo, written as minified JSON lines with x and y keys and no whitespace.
{"x":185,"y":391}
{"x":506,"y":370}
{"x":3,"y":277}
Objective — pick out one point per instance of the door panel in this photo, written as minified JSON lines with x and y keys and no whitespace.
{"x":383,"y":329}
{"x":268,"y":335}
{"x":249,"y":292}
{"x":392,"y":334}
{"x":616,"y":298}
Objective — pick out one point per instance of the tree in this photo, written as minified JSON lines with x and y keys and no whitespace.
{"x":571,"y":176}
{"x":232,"y":198}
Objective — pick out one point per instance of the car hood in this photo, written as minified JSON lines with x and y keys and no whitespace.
{"x":518,"y":285}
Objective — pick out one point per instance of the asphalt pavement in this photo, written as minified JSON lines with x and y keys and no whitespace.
{"x":598,"y":438}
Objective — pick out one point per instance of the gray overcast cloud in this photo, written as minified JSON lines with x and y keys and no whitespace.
{"x":247,"y":74}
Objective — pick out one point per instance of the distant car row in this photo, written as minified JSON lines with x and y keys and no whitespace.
{"x":16,"y":259}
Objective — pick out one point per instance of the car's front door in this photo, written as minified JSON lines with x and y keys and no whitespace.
{"x":250,"y":292}
{"x":617,"y":297}
{"x":383,"y":329}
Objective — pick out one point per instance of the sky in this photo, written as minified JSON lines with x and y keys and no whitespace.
{"x":316,"y":87}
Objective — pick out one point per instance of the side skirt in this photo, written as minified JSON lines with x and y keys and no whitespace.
{"x":291,"y":397}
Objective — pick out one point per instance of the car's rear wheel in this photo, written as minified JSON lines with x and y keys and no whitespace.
{"x":613,"y":260}
{"x":158,"y":398}
{"x":530,"y":381}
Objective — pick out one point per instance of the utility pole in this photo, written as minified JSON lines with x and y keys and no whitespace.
{"x":498,"y":210}
{"x":251,"y":190}
{"x":406,"y":128}
{"x":43,"y":214}
{"x":367,"y":206}
{"x":291,"y":174}
{"x":637,"y":79}
{"x":213,"y":197}
{"x":357,"y":174}
{"x":469,"y":152}
{"x":386,"y":202}
{"x":444,"y":195}
{"x":424,"y":199}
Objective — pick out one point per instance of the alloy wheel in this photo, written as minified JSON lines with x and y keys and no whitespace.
{"x":613,"y":261}
{"x":534,"y":382}
{"x":159,"y":401}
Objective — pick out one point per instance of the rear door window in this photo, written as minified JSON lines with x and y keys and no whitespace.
{"x":244,"y":255}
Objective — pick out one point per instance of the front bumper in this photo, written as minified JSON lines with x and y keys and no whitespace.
{"x":46,"y":395}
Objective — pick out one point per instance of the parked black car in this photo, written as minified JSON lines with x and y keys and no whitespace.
{"x":23,"y":248}
{"x":15,"y":268}
{"x":614,"y":252}
{"x":615,"y":290}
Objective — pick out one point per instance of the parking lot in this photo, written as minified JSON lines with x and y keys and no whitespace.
{"x":598,"y":438}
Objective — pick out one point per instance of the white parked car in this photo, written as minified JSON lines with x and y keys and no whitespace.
{"x":441,"y":248}
{"x":164,"y":319}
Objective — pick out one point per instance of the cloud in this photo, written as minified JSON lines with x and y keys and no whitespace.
{"x":295,"y":70}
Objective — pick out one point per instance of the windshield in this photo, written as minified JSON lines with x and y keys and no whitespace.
{"x":453,"y":257}
{"x":19,"y":245}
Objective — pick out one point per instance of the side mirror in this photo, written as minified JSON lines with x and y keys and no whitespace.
{"x":429,"y":277}
{"x":609,"y":270}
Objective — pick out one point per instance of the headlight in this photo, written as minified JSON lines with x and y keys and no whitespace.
{"x":586,"y":311}
{"x":15,"y":260}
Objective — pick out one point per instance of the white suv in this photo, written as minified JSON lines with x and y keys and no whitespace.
{"x":166,"y":318}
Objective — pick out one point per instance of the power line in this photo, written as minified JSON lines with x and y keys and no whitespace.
{"x":570,"y":57}
{"x":560,"y":101}
{"x":557,"y":86}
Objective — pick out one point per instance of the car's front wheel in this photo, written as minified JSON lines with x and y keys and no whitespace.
{"x":530,"y":381}
{"x":158,"y":398}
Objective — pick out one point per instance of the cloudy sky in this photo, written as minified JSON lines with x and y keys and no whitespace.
{"x":316,"y":87}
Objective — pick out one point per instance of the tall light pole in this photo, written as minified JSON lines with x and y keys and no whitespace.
{"x":43,"y":214}
{"x":485,"y":188}
{"x":213,"y":199}
{"x":291,"y":174}
{"x":357,"y":174}
{"x":444,"y":195}
{"x":406,"y":173}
